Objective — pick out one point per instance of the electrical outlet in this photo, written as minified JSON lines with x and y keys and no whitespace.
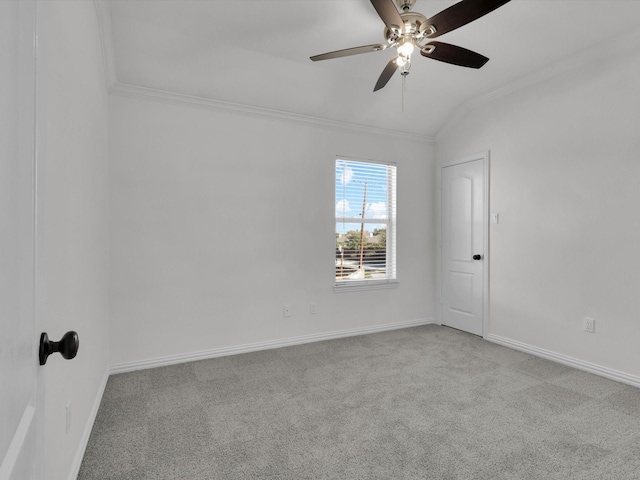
{"x":286,"y":310}
{"x":589,"y":325}
{"x":313,"y":308}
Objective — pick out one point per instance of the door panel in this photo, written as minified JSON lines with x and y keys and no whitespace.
{"x":460,"y":212}
{"x":18,"y":355}
{"x":461,"y":294}
{"x":463,"y":237}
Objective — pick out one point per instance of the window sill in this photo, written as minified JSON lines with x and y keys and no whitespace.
{"x":365,"y":285}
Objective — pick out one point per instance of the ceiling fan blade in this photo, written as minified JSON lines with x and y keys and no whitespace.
{"x":386,"y":74}
{"x":460,"y":14}
{"x":349,"y":51}
{"x":448,"y":53}
{"x":388,"y":13}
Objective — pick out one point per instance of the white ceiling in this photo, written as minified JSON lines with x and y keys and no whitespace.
{"x":256,"y":53}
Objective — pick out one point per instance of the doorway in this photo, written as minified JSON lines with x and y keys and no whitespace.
{"x":464,"y":244}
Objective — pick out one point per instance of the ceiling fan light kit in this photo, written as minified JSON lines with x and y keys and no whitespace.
{"x":409,"y":31}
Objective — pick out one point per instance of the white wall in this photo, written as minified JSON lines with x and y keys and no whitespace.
{"x":565,"y":172}
{"x":72,"y":221}
{"x":218,"y":219}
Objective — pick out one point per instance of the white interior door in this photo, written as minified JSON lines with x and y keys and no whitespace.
{"x":463,"y":245}
{"x":20,"y":410}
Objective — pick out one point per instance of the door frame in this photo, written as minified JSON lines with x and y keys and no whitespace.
{"x":485,"y":158}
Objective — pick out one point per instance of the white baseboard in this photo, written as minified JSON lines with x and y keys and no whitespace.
{"x":567,"y":360}
{"x":84,"y":441}
{"x":265,"y":345}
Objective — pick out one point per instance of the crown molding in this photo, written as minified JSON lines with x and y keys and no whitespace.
{"x":628,"y":42}
{"x":103,"y":12}
{"x":114,"y":87}
{"x":522,"y":83}
{"x":163,"y":96}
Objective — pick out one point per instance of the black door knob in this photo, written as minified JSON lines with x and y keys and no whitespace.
{"x":477,"y":257}
{"x":67,"y":346}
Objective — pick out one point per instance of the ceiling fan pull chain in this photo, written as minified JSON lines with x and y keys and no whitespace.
{"x":404,"y":77}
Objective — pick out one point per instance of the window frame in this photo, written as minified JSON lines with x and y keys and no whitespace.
{"x":391,"y":258}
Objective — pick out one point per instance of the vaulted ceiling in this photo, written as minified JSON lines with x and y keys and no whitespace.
{"x":255,"y":53}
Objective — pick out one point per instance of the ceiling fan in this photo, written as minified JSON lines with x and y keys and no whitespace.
{"x":408,"y":31}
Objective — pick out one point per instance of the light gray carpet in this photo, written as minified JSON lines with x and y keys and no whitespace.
{"x":420,"y":403}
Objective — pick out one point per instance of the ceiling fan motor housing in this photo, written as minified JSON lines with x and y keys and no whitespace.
{"x":415,"y":25}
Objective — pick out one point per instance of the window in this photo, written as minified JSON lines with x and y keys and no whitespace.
{"x":365,"y":224}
